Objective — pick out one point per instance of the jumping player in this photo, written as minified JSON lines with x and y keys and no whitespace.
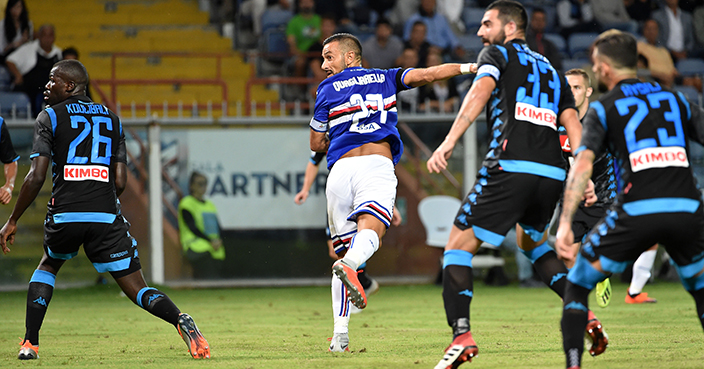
{"x":646,"y":127}
{"x":86,"y":146}
{"x":522,"y":174}
{"x":355,"y":123}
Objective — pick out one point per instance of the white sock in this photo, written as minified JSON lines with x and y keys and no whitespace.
{"x":364,"y":244}
{"x":340,"y":306}
{"x":641,"y":271}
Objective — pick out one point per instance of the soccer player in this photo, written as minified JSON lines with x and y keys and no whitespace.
{"x":85,"y":144}
{"x":355,"y":123}
{"x":646,"y":127}
{"x":9,"y":158}
{"x":522,"y":174}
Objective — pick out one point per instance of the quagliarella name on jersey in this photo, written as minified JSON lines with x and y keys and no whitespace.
{"x":86,"y":109}
{"x":359,"y":80}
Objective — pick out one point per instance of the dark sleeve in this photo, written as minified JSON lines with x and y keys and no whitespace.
{"x":695,"y":119}
{"x":7,"y":151}
{"x":594,"y":129}
{"x":316,"y":157}
{"x":400,"y":73}
{"x":191,"y":223}
{"x":121,"y":156}
{"x":43,"y":136}
{"x":492,"y":62}
{"x":566,"y":97}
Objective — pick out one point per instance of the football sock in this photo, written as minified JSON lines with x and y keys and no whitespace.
{"x":158,"y":304}
{"x":363,"y":277}
{"x":364,"y":244}
{"x":552,"y":271}
{"x":458,"y":289}
{"x":699,"y":301}
{"x":574,"y":322}
{"x":41,"y":288}
{"x":641,"y":272}
{"x":340,"y":306}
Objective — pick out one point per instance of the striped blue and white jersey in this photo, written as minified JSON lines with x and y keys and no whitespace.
{"x":358,"y":106}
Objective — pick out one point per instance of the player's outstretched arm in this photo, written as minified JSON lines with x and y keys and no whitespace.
{"x":30,"y":188}
{"x":10,"y":175}
{"x":308,"y":178}
{"x":423,"y":76}
{"x":472,"y":106}
{"x":577,"y":181}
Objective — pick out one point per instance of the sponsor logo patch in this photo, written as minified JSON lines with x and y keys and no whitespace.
{"x":658,"y":157}
{"x":535,"y":115}
{"x":86,"y":173}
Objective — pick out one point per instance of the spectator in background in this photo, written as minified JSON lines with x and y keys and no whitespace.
{"x":318,"y":74}
{"x":382,"y":50}
{"x":535,"y":37}
{"x":199,"y":230}
{"x":613,"y":14}
{"x":328,"y":26}
{"x":408,"y":99}
{"x":675,"y":29}
{"x":337,"y":9}
{"x":302,"y":31}
{"x":439,"y":96}
{"x":402,"y":12}
{"x":16,"y":27}
{"x":439,"y":32}
{"x":575,"y":16}
{"x":639,"y":10}
{"x":256,"y":8}
{"x":420,"y":44}
{"x":659,"y":61}
{"x":698,"y":21}
{"x":31,"y":63}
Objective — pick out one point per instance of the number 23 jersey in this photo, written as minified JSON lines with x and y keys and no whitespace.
{"x":646,"y":127}
{"x":84,"y":140}
{"x":358,"y":106}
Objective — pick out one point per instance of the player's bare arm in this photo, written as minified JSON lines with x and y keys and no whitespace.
{"x":577,"y":181}
{"x":308,"y":178}
{"x":120,"y":178}
{"x":472,"y":106}
{"x":6,"y":190}
{"x":422,"y":76}
{"x":570,"y":120}
{"x":319,"y":141}
{"x":30,"y":189}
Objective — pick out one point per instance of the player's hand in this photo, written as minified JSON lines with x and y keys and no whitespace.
{"x":301,"y":197}
{"x":5,"y":194}
{"x":438,"y":161}
{"x":396,"y":218}
{"x":589,"y":196}
{"x":216,"y":243}
{"x":7,"y":234}
{"x":564,"y":245}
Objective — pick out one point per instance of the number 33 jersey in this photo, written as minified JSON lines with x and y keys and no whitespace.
{"x":84,"y":141}
{"x":523,"y":110}
{"x":647,"y":129}
{"x":358,"y":106}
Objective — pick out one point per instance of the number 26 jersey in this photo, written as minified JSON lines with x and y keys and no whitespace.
{"x":84,"y":141}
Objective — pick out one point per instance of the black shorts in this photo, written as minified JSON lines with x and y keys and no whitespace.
{"x":621,"y":238}
{"x":585,"y":218}
{"x":501,"y":199}
{"x":109,"y":246}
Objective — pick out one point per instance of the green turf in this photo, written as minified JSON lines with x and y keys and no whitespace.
{"x":403,"y":327}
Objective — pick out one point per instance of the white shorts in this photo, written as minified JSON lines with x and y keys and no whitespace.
{"x":359,"y":184}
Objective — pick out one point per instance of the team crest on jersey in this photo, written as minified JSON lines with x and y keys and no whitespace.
{"x":658,"y":157}
{"x":535,"y":115}
{"x":86,"y":173}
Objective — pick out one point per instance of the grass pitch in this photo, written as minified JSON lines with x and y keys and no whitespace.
{"x":403,"y":327}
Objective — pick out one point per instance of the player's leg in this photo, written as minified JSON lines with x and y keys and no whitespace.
{"x":102,"y":243}
{"x":39,"y":293}
{"x":341,"y":316}
{"x":641,"y":274}
{"x":457,"y":293}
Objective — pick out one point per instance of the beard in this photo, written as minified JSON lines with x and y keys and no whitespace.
{"x":500,"y":39}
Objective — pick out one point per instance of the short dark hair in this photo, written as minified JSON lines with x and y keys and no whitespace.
{"x":348,"y":40}
{"x":195,"y":175}
{"x":580,"y":72}
{"x":383,"y":20}
{"x":510,"y":11}
{"x":69,"y":51}
{"x":619,"y":47}
{"x":74,"y":71}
